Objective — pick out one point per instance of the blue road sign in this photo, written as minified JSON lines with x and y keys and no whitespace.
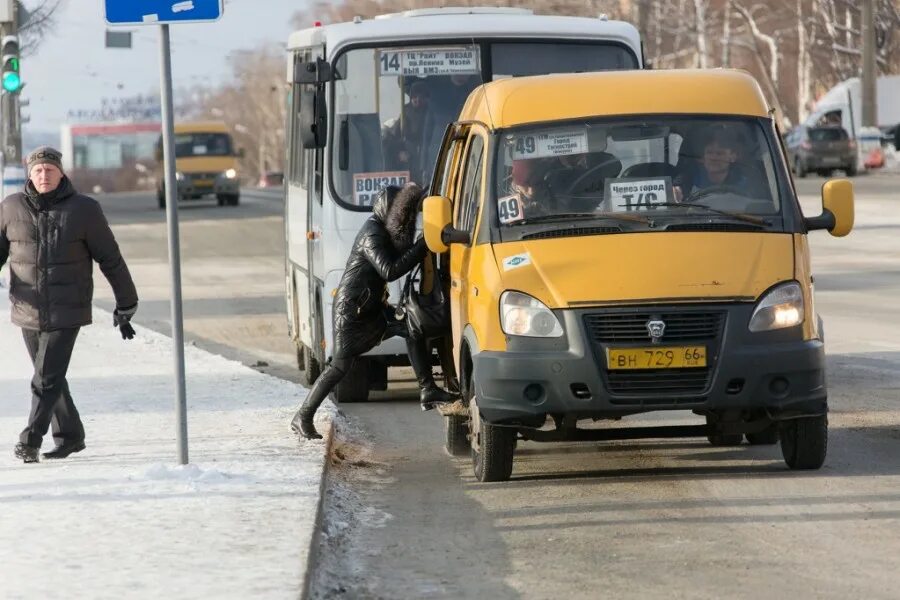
{"x":159,"y":12}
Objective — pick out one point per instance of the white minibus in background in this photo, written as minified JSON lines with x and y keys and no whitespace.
{"x":353,"y":127}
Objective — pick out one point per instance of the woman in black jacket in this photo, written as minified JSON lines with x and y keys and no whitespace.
{"x":383,"y":251}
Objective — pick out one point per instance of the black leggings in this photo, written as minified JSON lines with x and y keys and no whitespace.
{"x":330,"y":377}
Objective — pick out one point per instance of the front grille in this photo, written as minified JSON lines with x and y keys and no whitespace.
{"x":203,"y":176}
{"x":668,"y":382}
{"x":606,"y":328}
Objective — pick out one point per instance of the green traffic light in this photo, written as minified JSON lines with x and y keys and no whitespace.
{"x":11,"y":82}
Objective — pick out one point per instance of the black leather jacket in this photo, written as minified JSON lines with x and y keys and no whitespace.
{"x":359,"y":303}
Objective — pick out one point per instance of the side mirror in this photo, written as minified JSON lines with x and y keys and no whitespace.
{"x":837,"y":208}
{"x":313,"y":72}
{"x":313,"y":119}
{"x":436,"y":216}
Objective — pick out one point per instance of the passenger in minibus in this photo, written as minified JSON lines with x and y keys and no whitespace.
{"x":403,"y":139}
{"x":716,"y":166}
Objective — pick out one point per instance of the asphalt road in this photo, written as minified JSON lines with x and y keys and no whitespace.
{"x":647,"y":519}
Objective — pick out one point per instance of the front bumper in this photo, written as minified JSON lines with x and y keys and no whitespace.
{"x":196,"y":186}
{"x":776,"y":372}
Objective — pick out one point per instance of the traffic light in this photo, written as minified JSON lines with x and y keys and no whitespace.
{"x":9,"y":51}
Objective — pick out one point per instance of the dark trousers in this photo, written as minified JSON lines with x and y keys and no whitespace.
{"x":51,"y":402}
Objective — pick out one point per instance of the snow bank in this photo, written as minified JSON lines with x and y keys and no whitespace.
{"x":121,"y":519}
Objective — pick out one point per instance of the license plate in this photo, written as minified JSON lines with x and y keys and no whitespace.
{"x":665,"y":357}
{"x":204,"y":182}
{"x":830,"y":160}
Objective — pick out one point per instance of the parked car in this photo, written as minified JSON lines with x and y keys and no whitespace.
{"x":821,"y":149}
{"x":271,"y":179}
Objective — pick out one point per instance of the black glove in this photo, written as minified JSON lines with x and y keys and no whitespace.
{"x":122,"y":320}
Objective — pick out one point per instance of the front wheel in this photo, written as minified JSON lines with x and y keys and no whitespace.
{"x":492,"y":448}
{"x":804,"y":442}
{"x":456,"y":435}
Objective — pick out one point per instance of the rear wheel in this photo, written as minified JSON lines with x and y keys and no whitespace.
{"x":492,"y":447}
{"x":804,"y":442}
{"x":308,"y":365}
{"x":719,"y":439}
{"x":850,"y":170}
{"x":456,"y":439}
{"x":354,"y":387}
{"x":766,"y":437}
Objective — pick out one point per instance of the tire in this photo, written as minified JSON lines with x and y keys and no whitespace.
{"x":850,"y":170}
{"x":354,"y":387}
{"x":456,"y":438}
{"x":492,"y":447}
{"x":799,"y":169}
{"x":722,"y":439}
{"x":766,"y":437}
{"x":161,"y":199}
{"x":234,"y":200}
{"x":221,"y":200}
{"x":804,"y":442}
{"x":308,"y":365}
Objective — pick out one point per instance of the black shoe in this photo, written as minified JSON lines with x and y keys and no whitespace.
{"x":304,"y":426}
{"x":65,"y":449}
{"x":27,"y":453}
{"x":431,"y":395}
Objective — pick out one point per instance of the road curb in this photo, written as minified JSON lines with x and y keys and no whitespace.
{"x":312,"y":556}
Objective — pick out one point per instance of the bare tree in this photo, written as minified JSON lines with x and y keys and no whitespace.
{"x":36,"y":22}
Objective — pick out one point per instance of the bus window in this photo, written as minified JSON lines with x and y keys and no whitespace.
{"x":517,"y":59}
{"x":391,"y":107}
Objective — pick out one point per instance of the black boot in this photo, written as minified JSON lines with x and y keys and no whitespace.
{"x":430,"y":395}
{"x":302,"y":424}
{"x":27,"y":453}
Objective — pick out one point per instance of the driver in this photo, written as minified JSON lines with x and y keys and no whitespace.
{"x":716,"y":166}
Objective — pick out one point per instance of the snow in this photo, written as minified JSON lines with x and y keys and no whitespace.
{"x":122,"y":519}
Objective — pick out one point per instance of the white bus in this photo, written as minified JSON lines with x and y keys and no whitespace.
{"x":354,"y":127}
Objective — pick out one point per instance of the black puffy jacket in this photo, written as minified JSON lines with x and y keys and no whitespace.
{"x":51,"y":240}
{"x":376,"y":258}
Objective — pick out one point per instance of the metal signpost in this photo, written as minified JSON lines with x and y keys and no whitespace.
{"x":162,"y":13}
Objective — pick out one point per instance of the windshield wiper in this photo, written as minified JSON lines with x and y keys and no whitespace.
{"x":564,"y":216}
{"x":739,"y":216}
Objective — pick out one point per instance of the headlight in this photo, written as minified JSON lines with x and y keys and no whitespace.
{"x":230,"y":173}
{"x":782,"y":307}
{"x":179,"y":176}
{"x":520,"y":314}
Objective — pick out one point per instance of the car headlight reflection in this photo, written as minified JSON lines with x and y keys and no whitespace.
{"x":230,"y":173}
{"x":520,"y":314}
{"x":179,"y":176}
{"x":780,"y":308}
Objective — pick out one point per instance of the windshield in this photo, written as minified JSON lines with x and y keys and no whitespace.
{"x":653,"y":171}
{"x":392,"y":104}
{"x":827,"y":134}
{"x":202,"y":144}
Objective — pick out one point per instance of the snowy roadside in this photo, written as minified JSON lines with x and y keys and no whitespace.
{"x":121,"y":519}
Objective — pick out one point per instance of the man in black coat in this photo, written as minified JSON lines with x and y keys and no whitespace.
{"x":51,"y":235}
{"x":382,"y":252}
